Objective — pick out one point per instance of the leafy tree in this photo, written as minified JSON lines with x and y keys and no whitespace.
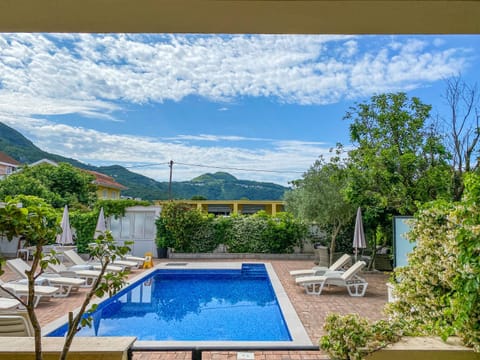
{"x":59,"y":185}
{"x":318,"y":198}
{"x":462,"y":128}
{"x":398,"y":160}
{"x":36,"y":221}
{"x":438,"y":292}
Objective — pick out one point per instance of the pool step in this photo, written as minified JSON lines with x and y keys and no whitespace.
{"x":254,"y":270}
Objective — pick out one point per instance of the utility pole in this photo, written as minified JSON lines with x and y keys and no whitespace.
{"x":170,"y":181}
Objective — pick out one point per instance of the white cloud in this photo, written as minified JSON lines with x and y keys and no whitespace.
{"x":154,"y":68}
{"x":215,"y":138}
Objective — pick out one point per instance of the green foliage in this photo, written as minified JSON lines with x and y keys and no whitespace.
{"x":351,"y":337}
{"x":164,"y":238}
{"x":117,"y":207}
{"x":223,"y":229}
{"x":283,"y":232}
{"x":399,"y":160}
{"x":263,"y":233}
{"x":439,"y":290}
{"x":59,"y":185}
{"x":190,"y":230}
{"x":247,"y":235}
{"x":318,"y":198}
{"x":36,"y":221}
{"x":84,"y":221}
{"x":29,"y":217}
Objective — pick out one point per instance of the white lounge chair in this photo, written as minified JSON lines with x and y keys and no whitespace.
{"x":15,"y":324}
{"x":8,"y":304}
{"x":76,"y":259}
{"x":355,"y":285}
{"x":65,"y":284}
{"x":130,"y":264}
{"x":88,"y":275}
{"x":21,"y":290}
{"x":138,"y":259}
{"x":320,"y":270}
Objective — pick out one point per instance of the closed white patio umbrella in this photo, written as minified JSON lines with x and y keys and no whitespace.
{"x":359,"y":235}
{"x":66,"y":236}
{"x":101,"y":225}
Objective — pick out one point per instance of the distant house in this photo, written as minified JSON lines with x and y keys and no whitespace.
{"x":107,"y":187}
{"x":8,"y":165}
{"x":229,"y":207}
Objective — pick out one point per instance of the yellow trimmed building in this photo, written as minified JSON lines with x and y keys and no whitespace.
{"x":107,"y":187}
{"x":230,"y":207}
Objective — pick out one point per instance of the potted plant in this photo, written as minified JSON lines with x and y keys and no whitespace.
{"x":163,"y":240}
{"x":162,"y":248}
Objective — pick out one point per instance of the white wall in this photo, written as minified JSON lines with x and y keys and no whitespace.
{"x":8,"y":248}
{"x":137,"y":225}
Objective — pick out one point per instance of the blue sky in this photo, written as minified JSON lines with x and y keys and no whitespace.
{"x":262,"y":107}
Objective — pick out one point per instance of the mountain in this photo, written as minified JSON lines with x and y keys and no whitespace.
{"x":217,"y":186}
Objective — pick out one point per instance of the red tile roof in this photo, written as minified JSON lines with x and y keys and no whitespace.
{"x":105,"y":180}
{"x":8,"y":160}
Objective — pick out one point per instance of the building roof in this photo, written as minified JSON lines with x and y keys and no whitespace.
{"x":8,"y":160}
{"x":44,"y":161}
{"x":105,"y":180}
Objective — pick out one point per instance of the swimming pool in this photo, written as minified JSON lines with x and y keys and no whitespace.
{"x":192,"y":302}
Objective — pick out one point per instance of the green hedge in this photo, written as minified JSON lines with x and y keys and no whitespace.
{"x":191,"y":230}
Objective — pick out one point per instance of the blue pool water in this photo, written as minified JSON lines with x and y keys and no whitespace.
{"x":193,"y":305}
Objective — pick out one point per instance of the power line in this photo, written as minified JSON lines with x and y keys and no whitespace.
{"x":170,"y":163}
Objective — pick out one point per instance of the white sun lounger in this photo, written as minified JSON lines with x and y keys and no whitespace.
{"x":65,"y":284}
{"x":127,"y":264}
{"x":139,"y":260}
{"x":77,"y":260}
{"x":320,"y":270}
{"x":88,"y":275}
{"x":7,"y":303}
{"x":355,"y":285}
{"x":21,"y":291}
{"x":15,"y":324}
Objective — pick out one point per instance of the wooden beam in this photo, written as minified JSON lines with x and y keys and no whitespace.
{"x":242,"y":16}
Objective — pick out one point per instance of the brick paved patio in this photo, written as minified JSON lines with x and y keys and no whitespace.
{"x":312,"y":311}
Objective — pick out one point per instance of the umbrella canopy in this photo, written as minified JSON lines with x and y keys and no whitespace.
{"x":66,"y":236}
{"x":359,"y":235}
{"x":101,"y":227}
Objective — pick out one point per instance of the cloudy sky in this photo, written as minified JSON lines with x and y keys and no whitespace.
{"x":260,"y":107}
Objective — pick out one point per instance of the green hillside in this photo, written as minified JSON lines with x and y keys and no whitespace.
{"x":217,"y":186}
